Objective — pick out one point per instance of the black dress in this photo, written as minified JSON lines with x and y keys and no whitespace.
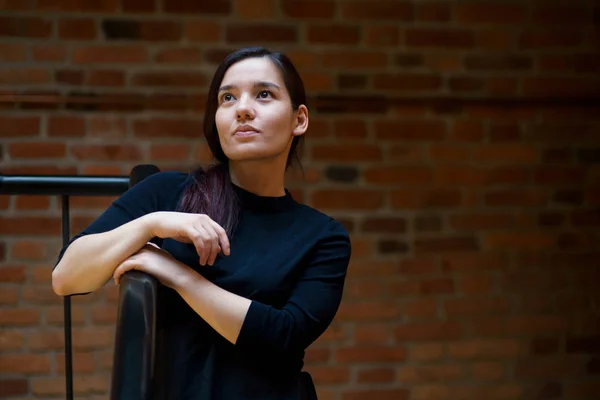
{"x":288,"y":258}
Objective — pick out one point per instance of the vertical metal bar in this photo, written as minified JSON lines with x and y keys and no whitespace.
{"x":66,"y":236}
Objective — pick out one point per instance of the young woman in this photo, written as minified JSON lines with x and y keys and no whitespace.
{"x":250,"y":278}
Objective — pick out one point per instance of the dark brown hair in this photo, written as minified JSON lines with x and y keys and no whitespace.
{"x":212,"y":193}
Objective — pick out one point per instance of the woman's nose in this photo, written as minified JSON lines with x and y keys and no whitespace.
{"x":244,"y":110}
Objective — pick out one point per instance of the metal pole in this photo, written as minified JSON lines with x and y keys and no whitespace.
{"x":66,"y":236}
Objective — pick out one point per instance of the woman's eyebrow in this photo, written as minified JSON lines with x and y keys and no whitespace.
{"x":256,"y":84}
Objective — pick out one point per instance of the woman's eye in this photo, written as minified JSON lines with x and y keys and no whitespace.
{"x":264,"y":94}
{"x":227,"y":97}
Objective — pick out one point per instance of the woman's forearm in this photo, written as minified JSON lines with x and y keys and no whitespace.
{"x":223,"y":310}
{"x":89,"y":262}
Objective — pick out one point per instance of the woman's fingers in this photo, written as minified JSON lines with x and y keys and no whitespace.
{"x":214,"y":239}
{"x":222,"y":237}
{"x":206,"y":244}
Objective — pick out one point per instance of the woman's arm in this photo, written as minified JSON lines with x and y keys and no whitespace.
{"x":276,"y":332}
{"x":89,"y":262}
{"x":223,"y":310}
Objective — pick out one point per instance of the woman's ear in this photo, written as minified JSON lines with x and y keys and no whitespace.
{"x":300,"y":121}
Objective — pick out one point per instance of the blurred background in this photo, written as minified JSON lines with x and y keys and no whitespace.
{"x":459,"y":142}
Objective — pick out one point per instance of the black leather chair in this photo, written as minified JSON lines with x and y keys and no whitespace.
{"x":135,"y":332}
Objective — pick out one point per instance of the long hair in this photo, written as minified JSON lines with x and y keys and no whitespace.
{"x":212,"y":193}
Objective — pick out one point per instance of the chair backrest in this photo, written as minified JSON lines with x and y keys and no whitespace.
{"x":135,"y":332}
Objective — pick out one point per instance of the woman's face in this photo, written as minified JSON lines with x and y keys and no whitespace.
{"x":254,"y":117}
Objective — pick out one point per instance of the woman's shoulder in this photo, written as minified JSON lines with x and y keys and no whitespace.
{"x":331,"y":225}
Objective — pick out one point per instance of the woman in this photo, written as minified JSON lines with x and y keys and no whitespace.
{"x":250,"y":278}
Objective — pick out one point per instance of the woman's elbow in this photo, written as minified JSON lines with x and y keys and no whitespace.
{"x":58,"y":282}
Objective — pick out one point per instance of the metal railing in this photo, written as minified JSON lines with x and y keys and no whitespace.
{"x":133,"y":361}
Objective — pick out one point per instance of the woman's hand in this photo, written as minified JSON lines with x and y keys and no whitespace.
{"x":156,"y":262}
{"x":208,"y":237}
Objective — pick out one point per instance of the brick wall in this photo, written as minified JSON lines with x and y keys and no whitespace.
{"x":458,"y":141}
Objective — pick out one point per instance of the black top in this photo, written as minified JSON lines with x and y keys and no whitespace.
{"x":288,"y":258}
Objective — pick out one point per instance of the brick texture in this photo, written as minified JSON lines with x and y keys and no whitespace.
{"x":458,"y":141}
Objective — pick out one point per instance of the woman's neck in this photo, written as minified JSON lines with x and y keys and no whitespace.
{"x":263,"y":179}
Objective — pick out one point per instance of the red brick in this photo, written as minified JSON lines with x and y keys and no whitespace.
{"x":412,"y":199}
{"x":410,"y":154}
{"x":398,"y":176}
{"x":12,"y":273}
{"x":354,"y":59}
{"x":490,"y":13}
{"x":349,"y":128}
{"x":488,"y":370}
{"x":165,"y":79}
{"x":169,"y":152}
{"x":549,"y":39}
{"x":348,"y":199}
{"x":462,"y":84}
{"x":308,"y":9}
{"x":434,"y":12}
{"x":323,"y":375}
{"x":48,"y":53}
{"x":467,"y":130}
{"x":378,"y":10}
{"x":78,"y":29}
{"x":333,"y":34}
{"x":518,"y":240}
{"x":443,"y":62}
{"x":369,"y":354}
{"x":33,"y":202}
{"x":427,"y":331}
{"x":25,"y":363}
{"x":182,"y":55}
{"x":106,"y":152}
{"x":481,"y":221}
{"x":441,"y":153}
{"x":413,"y":130}
{"x":245,"y":33}
{"x":466,"y":391}
{"x":559,"y":86}
{"x":77,"y":6}
{"x":24,"y":76}
{"x":476,"y":306}
{"x":9,"y":295}
{"x":583,"y":389}
{"x":431,"y":373}
{"x":65,"y":126}
{"x":420,"y":308}
{"x":426,"y":351}
{"x":407,"y":82}
{"x":28,"y":27}
{"x":13,"y":52}
{"x":37,"y":150}
{"x":13,"y":387}
{"x":315,"y":354}
{"x":381,"y":35}
{"x":219,"y":7}
{"x":203,"y":31}
{"x":110,"y":54}
{"x":379,"y":394}
{"x":376,"y":375}
{"x":28,"y":250}
{"x":446,"y":244}
{"x":476,"y":283}
{"x":138,"y":6}
{"x":548,"y":368}
{"x":439,"y":38}
{"x":11,"y":340}
{"x":560,"y":175}
{"x":317,"y":81}
{"x":367,"y":311}
{"x":384,"y":225}
{"x":106,"y":77}
{"x":374,"y":333}
{"x":167,"y":128}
